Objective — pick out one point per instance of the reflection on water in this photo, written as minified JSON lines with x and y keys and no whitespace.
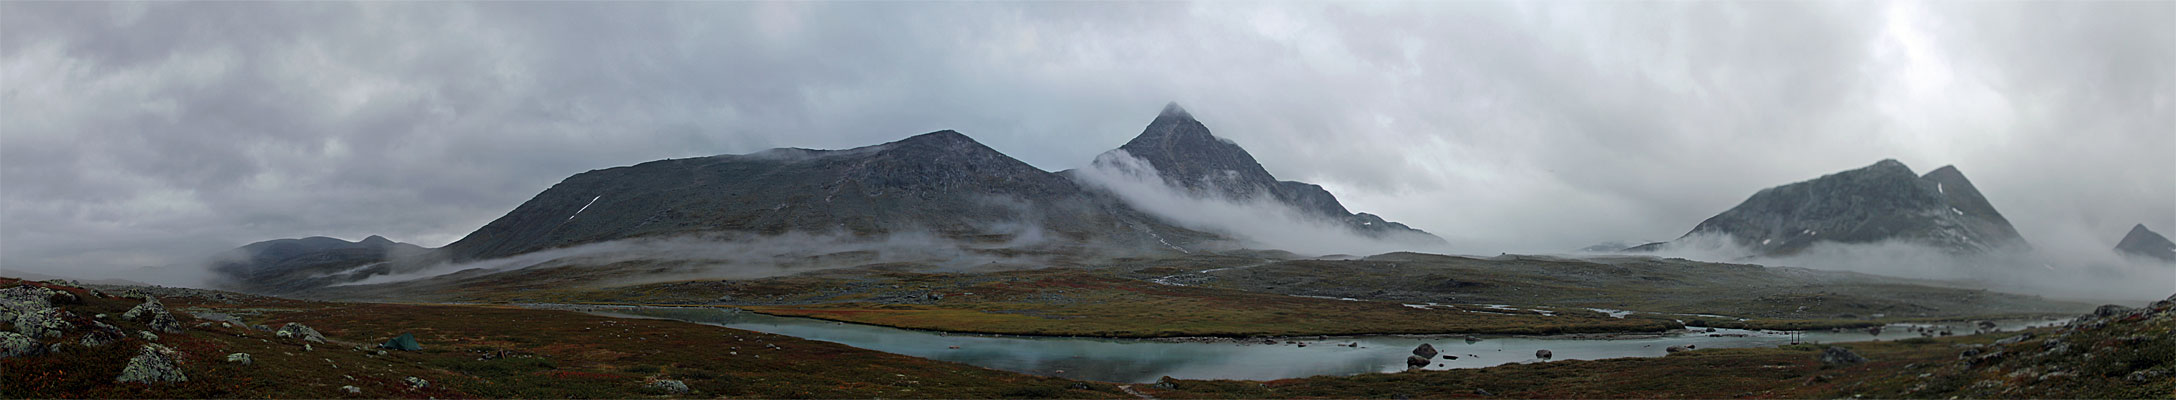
{"x":1144,"y":360}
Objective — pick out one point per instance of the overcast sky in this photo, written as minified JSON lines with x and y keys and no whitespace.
{"x":139,"y":134}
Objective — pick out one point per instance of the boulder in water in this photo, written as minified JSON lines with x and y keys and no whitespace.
{"x":1425,"y":351}
{"x":1674,"y":349}
{"x":1544,"y":354}
{"x":1415,"y":362}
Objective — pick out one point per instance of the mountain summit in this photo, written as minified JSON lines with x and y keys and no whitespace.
{"x":1187,"y":156}
{"x":1876,"y":203}
{"x":2142,"y":242}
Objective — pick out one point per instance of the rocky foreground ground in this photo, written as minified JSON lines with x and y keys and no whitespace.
{"x":65,"y":340}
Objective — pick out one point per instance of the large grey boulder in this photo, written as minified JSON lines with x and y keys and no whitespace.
{"x":156,"y":314}
{"x":669,"y":386}
{"x":1840,"y":356}
{"x":153,"y":364}
{"x":297,"y":330}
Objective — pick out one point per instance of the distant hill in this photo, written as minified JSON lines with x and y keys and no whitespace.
{"x":282,"y":265}
{"x":1880,"y":202}
{"x":2145,"y":243}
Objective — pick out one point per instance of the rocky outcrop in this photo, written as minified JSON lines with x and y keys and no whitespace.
{"x":154,"y":314}
{"x":17,"y":345}
{"x":1877,"y":203}
{"x":1840,"y":356}
{"x":32,"y":310}
{"x":300,"y":331}
{"x":2147,"y":244}
{"x":153,"y":364}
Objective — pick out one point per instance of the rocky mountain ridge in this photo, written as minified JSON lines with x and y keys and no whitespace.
{"x":1885,"y":201}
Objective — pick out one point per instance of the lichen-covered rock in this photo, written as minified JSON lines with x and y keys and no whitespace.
{"x":42,"y":323}
{"x":417,"y":383}
{"x":153,"y":364}
{"x":17,"y":345}
{"x":669,"y":386}
{"x":351,"y":389}
{"x":242,"y":358}
{"x":1840,"y":356}
{"x":304,"y":332}
{"x":160,"y":319}
{"x":148,"y":336}
{"x":101,"y":334}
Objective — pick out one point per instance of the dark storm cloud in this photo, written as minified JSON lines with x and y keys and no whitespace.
{"x":146,"y":133}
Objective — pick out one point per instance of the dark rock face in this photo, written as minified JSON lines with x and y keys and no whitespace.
{"x":1881,"y":202}
{"x":1187,"y":156}
{"x":942,"y":182}
{"x":2142,"y":242}
{"x":284,"y":265}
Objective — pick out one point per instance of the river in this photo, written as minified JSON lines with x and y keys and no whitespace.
{"x":1145,"y":360}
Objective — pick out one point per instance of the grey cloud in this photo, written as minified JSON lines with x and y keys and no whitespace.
{"x":140,"y":133}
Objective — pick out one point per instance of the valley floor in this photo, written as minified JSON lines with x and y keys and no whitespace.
{"x":504,"y":352}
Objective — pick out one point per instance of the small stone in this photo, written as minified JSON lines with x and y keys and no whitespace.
{"x":417,"y":383}
{"x":239,"y":358}
{"x":351,"y":389}
{"x":148,"y":336}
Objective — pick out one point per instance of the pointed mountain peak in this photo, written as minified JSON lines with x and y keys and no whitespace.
{"x":2146,"y":243}
{"x":1172,"y":110}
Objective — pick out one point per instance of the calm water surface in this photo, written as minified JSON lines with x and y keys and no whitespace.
{"x":1145,"y":360}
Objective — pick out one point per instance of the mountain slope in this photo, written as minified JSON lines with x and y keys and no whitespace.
{"x":2142,"y":242}
{"x":1186,"y":155}
{"x":942,"y":183}
{"x":1876,"y":203}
